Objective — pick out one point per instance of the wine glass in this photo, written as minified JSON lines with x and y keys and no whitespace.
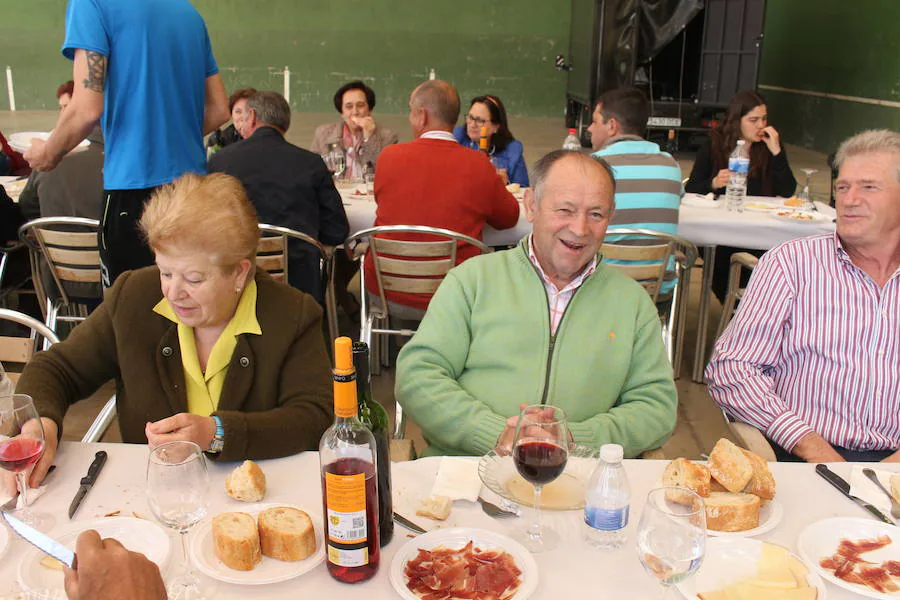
{"x":671,"y":538}
{"x":178,"y":492}
{"x":338,"y":160}
{"x":21,"y":446}
{"x":804,"y":192}
{"x":540,"y":452}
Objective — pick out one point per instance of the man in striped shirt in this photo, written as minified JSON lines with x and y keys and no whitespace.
{"x":648,"y":180}
{"x":812,"y":357}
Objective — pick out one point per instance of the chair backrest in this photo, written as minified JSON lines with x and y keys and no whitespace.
{"x":68,"y":246}
{"x":734,"y":292}
{"x":19,"y":350}
{"x":272,"y":257}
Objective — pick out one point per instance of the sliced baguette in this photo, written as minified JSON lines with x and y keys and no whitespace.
{"x":730,"y":467}
{"x":236,"y":540}
{"x":435,"y":507}
{"x":286,"y":533}
{"x":247,"y":482}
{"x":762,"y":482}
{"x":726,"y":511}
{"x":683,"y":473}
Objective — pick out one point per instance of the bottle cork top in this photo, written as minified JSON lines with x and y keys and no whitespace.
{"x":343,"y":354}
{"x":344,"y":379}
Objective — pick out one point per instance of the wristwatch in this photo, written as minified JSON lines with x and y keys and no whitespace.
{"x":218,"y":441}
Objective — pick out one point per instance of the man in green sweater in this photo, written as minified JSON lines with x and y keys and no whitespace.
{"x":545,"y":322}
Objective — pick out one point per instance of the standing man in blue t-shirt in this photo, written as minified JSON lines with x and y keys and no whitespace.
{"x":148,"y":70}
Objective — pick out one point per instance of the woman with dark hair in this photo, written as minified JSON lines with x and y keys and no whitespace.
{"x":745,"y":118}
{"x":237,"y":106}
{"x":506,"y":151}
{"x":357,"y":133}
{"x":770,"y":174}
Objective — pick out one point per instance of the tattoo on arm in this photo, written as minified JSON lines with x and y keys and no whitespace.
{"x":96,"y":74}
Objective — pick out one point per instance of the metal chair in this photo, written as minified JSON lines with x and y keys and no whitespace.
{"x":402,"y":265}
{"x":272,"y":257}
{"x":750,"y":437}
{"x":5,"y":252}
{"x":646,"y":256}
{"x":734,"y":292}
{"x":68,"y":247}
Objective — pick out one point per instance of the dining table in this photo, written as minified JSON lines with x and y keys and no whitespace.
{"x":572,"y":570}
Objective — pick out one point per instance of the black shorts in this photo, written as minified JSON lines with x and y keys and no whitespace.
{"x":122,"y":245}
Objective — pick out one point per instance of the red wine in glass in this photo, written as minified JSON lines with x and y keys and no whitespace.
{"x":539,"y":462}
{"x":18,"y":454}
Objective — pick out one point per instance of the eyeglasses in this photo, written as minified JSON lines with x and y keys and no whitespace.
{"x":477,"y":120}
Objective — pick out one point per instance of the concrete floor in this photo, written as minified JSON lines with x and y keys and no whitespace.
{"x":700,"y":423}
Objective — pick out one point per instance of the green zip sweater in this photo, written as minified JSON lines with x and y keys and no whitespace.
{"x":485,"y":347}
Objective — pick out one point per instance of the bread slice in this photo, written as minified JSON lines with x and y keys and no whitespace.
{"x":435,"y":507}
{"x":895,"y":487}
{"x":246,"y":483}
{"x":286,"y":533}
{"x":683,"y":473}
{"x":730,"y":466}
{"x":762,"y":482}
{"x":726,"y":511}
{"x":236,"y":540}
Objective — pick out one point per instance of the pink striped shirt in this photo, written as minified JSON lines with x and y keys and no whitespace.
{"x":815,"y":346}
{"x":558,"y":299}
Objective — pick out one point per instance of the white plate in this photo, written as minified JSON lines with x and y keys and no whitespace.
{"x":769,"y":516}
{"x":21,"y":142}
{"x":799,"y":216}
{"x":4,"y":540}
{"x":566,"y":493}
{"x":270,"y":570}
{"x":820,"y":540}
{"x":760,"y":206}
{"x":457,"y":538}
{"x":729,"y":560}
{"x":138,"y":535}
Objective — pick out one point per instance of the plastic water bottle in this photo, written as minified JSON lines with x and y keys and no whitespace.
{"x":608,"y":499}
{"x":739,"y":165}
{"x":572,"y":142}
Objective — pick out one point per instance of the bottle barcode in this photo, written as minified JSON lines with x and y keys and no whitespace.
{"x":359,"y":522}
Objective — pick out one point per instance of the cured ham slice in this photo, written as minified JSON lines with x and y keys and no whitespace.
{"x":468,"y":573}
{"x":849,"y":566}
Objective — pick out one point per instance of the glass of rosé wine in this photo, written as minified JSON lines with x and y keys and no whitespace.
{"x":21,"y":447}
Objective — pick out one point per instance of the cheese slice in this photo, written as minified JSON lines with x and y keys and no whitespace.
{"x":745,"y":590}
{"x":779,"y":576}
{"x":772,"y":570}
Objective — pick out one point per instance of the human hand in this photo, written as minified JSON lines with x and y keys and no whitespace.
{"x":504,"y":175}
{"x":106,"y":569}
{"x":39,"y":471}
{"x":367,"y":124}
{"x":893,"y":458}
{"x":772,"y":140}
{"x":182,"y":427}
{"x":507,"y":436}
{"x":814,"y":448}
{"x":39,"y":156}
{"x":721,"y":179}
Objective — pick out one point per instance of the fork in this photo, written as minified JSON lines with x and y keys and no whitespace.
{"x":895,"y":507}
{"x":495,"y":511}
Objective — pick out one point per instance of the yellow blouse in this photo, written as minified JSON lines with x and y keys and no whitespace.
{"x":204,"y":389}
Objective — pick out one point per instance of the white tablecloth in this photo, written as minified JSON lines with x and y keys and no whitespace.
{"x":572,"y":571}
{"x":702,"y":226}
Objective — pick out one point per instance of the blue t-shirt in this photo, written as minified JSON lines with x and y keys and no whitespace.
{"x":510,"y":158}
{"x":159,"y":58}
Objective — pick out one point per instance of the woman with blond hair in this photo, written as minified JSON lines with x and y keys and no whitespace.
{"x":202,"y":347}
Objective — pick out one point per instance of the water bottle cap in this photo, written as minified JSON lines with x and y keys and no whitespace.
{"x":741,"y":142}
{"x":610,"y":453}
{"x":572,"y":130}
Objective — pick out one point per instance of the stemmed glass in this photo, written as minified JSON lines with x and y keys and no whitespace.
{"x":671,"y":538}
{"x":178,"y":491}
{"x":540,"y":452}
{"x":338,"y":160}
{"x":21,"y":446}
{"x":804,"y":193}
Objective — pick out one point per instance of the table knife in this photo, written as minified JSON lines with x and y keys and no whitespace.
{"x":87,"y":482}
{"x":408,"y":524}
{"x":844,"y":487}
{"x":42,"y":542}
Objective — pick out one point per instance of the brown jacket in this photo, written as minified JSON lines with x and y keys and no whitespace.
{"x":277,"y":395}
{"x":368,"y":151}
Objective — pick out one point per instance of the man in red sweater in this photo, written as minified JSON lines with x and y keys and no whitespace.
{"x":433,"y":181}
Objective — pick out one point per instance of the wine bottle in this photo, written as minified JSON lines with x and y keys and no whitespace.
{"x":373,"y":416}
{"x":347,"y":455}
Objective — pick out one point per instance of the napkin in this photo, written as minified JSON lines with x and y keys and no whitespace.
{"x":458,"y":479}
{"x":698,"y":201}
{"x":862,"y":487}
{"x":825,"y":209}
{"x":33,"y":495}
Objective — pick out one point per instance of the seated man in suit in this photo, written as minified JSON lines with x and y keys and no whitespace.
{"x":289,"y":186}
{"x":812,"y":357}
{"x":433,"y":181}
{"x":545,"y":322}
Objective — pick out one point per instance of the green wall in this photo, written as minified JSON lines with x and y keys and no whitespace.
{"x":835,"y":47}
{"x":505,"y":47}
